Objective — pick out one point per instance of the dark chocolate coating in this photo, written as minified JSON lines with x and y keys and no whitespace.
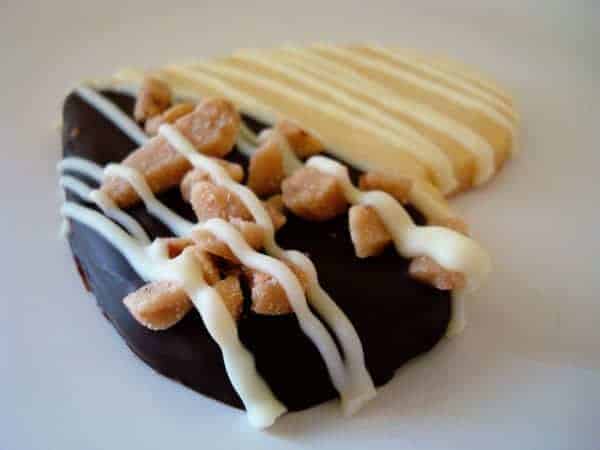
{"x":396,"y":317}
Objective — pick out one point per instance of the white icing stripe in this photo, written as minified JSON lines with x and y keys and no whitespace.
{"x":173,"y":221}
{"x":354,"y":82}
{"x":448,"y":78}
{"x":152,"y":264}
{"x":72,"y":163}
{"x":76,"y":186}
{"x":114,"y":212}
{"x":460,"y":71}
{"x":420,"y":146}
{"x":218,"y":175}
{"x":127,"y":245}
{"x":359,"y":388}
{"x":430,"y":203}
{"x":246,"y":148}
{"x":261,"y":405}
{"x":353,"y":395}
{"x":450,"y":249}
{"x":351,"y":379}
{"x":113,"y":113}
{"x":107,"y":206}
{"x":449,"y":94}
{"x":248,"y":134}
{"x":246,"y":141}
{"x":227,"y":233}
{"x":291,"y":162}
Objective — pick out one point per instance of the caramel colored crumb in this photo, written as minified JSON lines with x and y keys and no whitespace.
{"x":274,"y":206}
{"x":212,"y":128}
{"x":251,"y":232}
{"x":268,"y":296}
{"x":302,"y":277}
{"x":209,"y":201}
{"x":158,"y":305}
{"x":231,"y":293}
{"x":313,"y":195}
{"x":303,"y":143}
{"x":265,"y":172}
{"x":210,"y":271}
{"x":235,"y":171}
{"x":161,"y":166}
{"x":175,"y":246}
{"x":425,"y":269}
{"x":168,"y":116}
{"x":154,"y":98}
{"x":397,"y":186}
{"x":211,"y":244}
{"x":367,"y":231}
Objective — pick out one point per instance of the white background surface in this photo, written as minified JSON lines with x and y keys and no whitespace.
{"x":526,"y":373}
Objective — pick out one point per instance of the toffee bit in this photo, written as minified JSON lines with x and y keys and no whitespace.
{"x":313,"y":195}
{"x":425,"y":269}
{"x":154,"y":98}
{"x":368,"y":233}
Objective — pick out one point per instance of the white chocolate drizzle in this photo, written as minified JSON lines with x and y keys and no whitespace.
{"x":350,"y":378}
{"x":152,"y":263}
{"x":105,"y":203}
{"x":352,"y":392}
{"x":109,"y":208}
{"x":248,"y":257}
{"x":450,"y":249}
{"x":178,"y":225}
{"x":81,"y":165}
{"x":290,"y":160}
{"x":246,"y":141}
{"x":113,"y":113}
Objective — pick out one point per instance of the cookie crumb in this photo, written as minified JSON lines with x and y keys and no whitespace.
{"x":368,"y":233}
{"x":425,"y":269}
{"x":397,"y":186}
{"x":313,"y":195}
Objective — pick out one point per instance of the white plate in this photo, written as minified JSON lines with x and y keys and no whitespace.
{"x":526,"y":374}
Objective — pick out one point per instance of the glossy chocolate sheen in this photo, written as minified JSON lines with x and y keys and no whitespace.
{"x":396,"y":317}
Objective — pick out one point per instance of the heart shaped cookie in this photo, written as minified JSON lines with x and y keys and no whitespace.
{"x":271,"y":228}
